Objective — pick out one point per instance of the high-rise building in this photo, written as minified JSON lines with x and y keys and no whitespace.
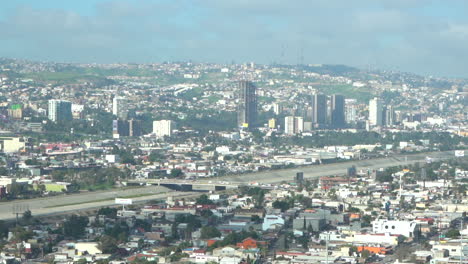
{"x":350,"y":113}
{"x":337,"y":111}
{"x":15,"y":111}
{"x":126,"y":128}
{"x":134,"y":128}
{"x":376,"y":112}
{"x":293,"y":125}
{"x":247,"y":108}
{"x":120,"y":108}
{"x":272,"y":123}
{"x":120,"y":128}
{"x":307,"y":126}
{"x":389,"y":116}
{"x":319,"y":109}
{"x":60,"y":110}
{"x":163,"y":128}
{"x":277,"y":108}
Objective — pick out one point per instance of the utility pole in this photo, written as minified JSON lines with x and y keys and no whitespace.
{"x":326,"y":246}
{"x":461,"y":241}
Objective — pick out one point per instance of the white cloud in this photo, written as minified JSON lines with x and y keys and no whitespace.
{"x":392,"y":33}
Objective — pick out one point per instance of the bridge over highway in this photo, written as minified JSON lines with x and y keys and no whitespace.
{"x":186,"y":185}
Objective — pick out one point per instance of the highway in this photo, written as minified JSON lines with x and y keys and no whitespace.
{"x":85,"y":201}
{"x":315,"y":171}
{"x":89,"y":200}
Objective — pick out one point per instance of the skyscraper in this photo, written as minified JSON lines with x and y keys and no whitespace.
{"x":319,"y":109}
{"x":350,"y":113}
{"x":134,"y":128}
{"x":60,"y":110}
{"x":247,"y":108}
{"x":293,"y":125}
{"x":277,"y":108}
{"x":389,"y":116}
{"x":119,"y":107}
{"x":376,"y":112}
{"x":337,"y":111}
{"x":120,"y":128}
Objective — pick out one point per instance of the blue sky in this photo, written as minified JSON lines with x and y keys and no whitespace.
{"x":421,"y":36}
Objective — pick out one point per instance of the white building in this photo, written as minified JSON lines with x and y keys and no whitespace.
{"x":293,"y":125}
{"x":11,"y":144}
{"x":163,"y":128}
{"x":385,"y":239}
{"x":395,"y":227}
{"x":112,"y":158}
{"x":350,"y":113}
{"x":60,"y":110}
{"x":120,"y":108}
{"x":376,"y":112}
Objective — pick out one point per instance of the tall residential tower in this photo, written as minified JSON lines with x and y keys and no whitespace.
{"x":119,"y":107}
{"x":337,"y":111}
{"x":376,"y":112}
{"x":60,"y":110}
{"x":319,"y":110}
{"x":247,"y":108}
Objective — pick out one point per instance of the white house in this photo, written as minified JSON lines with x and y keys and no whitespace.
{"x":270,"y":221}
{"x":395,"y":227}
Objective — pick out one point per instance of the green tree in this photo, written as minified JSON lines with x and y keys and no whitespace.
{"x":27,"y":218}
{"x":209,"y":232}
{"x":176,"y":173}
{"x":3,"y":229}
{"x":75,"y":226}
{"x":283,"y":205}
{"x":203,"y":200}
{"x":21,"y":234}
{"x":365,"y":254}
{"x":452,"y":233}
{"x":108,"y":212}
{"x":107,"y":244}
{"x":31,"y":162}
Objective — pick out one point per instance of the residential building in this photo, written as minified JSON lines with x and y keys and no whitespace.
{"x":120,"y":128}
{"x":163,"y":128}
{"x":337,"y":111}
{"x":60,"y":110}
{"x":376,"y":112}
{"x":389,"y":116}
{"x":15,"y":111}
{"x":134,"y":128}
{"x":247,"y":105}
{"x":293,"y":125}
{"x":395,"y":227}
{"x":119,"y":107}
{"x":319,"y":110}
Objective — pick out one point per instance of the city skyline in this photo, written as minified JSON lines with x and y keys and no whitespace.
{"x":233,"y":131}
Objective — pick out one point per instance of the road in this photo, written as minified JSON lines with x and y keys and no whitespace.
{"x":84,"y":201}
{"x":89,"y":200}
{"x":315,"y":171}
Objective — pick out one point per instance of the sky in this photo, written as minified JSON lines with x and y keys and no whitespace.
{"x":422,"y":36}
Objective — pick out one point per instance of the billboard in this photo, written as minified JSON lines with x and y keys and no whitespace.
{"x":123,"y":201}
{"x":459,"y":153}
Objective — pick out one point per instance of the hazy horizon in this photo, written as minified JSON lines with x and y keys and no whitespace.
{"x":422,"y":37}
